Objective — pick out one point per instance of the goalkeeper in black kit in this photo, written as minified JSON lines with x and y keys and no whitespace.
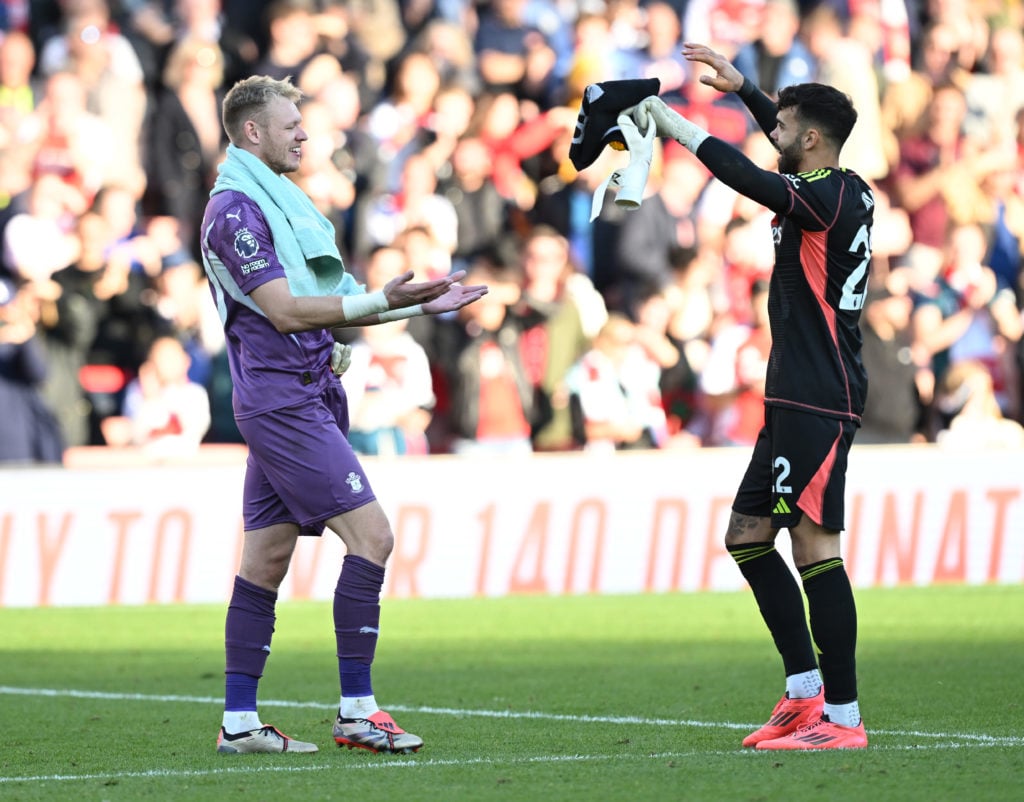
{"x":814,"y":394}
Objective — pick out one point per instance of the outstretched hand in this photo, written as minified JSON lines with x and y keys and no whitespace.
{"x":437,"y":295}
{"x":456,"y":296}
{"x":400,"y":292}
{"x":726,"y":78}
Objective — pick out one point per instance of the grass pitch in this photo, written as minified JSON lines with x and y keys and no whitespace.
{"x":522,"y":698}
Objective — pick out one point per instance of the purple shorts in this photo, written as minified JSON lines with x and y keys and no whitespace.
{"x":301,"y":468}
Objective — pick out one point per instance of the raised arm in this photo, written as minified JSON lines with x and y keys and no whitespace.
{"x":726,"y":162}
{"x":729,"y":79}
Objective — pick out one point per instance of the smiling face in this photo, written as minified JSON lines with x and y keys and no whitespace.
{"x":278,"y":135}
{"x":787,"y":137}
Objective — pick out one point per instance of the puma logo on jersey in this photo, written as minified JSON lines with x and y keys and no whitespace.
{"x":235,"y":215}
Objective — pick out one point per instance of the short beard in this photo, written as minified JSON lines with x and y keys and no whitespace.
{"x":281,"y":167}
{"x":790,"y":158}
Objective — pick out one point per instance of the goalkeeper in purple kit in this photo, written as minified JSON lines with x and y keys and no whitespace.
{"x":280,"y":288}
{"x":814,"y":394}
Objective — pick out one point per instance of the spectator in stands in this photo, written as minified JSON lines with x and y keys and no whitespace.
{"x":388,"y":383}
{"x":450,"y":46}
{"x":1005,"y":226}
{"x":165,"y":413}
{"x":498,"y":119}
{"x":614,"y":392}
{"x":678,"y":380}
{"x":595,"y":57}
{"x":119,"y":206}
{"x":966,"y":316}
{"x":558,"y":313}
{"x":415,"y":204}
{"x":481,"y":212}
{"x":376,"y":26}
{"x":185,"y":136}
{"x":937,"y":177}
{"x":428,"y":261}
{"x":184,"y":302}
{"x":339,"y":40}
{"x":847,"y":64}
{"x":905,"y":102}
{"x":658,"y":55}
{"x":564,"y":201}
{"x":70,"y":141}
{"x":19,"y":89}
{"x":665,"y":221}
{"x":966,"y":21}
{"x":41,"y":240}
{"x":331,"y":189}
{"x":453,"y":112}
{"x":513,"y":55}
{"x":489,"y":395}
{"x":213,"y":22}
{"x":733,"y":379}
{"x":972,"y":416}
{"x":355,"y":154}
{"x":403,"y":114}
{"x":731,"y":24}
{"x":68,"y":322}
{"x":894,"y":407}
{"x":29,"y":432}
{"x":994,"y":95}
{"x":293,"y":39}
{"x":777,"y":57}
{"x":129,"y":320}
{"x":111,"y":77}
{"x":886,"y":29}
{"x":692,"y":305}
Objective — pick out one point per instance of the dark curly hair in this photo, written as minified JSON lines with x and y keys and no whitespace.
{"x":822,"y":107}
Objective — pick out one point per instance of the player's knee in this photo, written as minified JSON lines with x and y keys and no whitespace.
{"x":812,"y":543}
{"x":384,"y":544}
{"x":748,"y":529}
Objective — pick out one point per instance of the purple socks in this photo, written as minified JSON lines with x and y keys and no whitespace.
{"x":356,"y":623}
{"x":247,"y":633}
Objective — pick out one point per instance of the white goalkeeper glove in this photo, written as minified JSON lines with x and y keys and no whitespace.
{"x":341,"y":358}
{"x":653,"y":111}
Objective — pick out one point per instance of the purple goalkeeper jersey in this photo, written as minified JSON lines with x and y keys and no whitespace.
{"x":269,"y":370}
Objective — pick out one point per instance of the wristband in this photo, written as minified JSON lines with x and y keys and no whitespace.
{"x":400,"y":314}
{"x":354,"y":307}
{"x":747,"y":90}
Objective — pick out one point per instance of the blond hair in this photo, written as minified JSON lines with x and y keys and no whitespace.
{"x":248,"y":100}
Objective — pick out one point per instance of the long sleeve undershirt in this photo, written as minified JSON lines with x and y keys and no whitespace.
{"x":733,"y":167}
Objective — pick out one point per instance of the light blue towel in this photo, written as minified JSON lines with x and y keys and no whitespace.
{"x":303,"y":237}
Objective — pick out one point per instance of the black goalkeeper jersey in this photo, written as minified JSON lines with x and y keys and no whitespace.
{"x":822,"y":241}
{"x":822,"y":235}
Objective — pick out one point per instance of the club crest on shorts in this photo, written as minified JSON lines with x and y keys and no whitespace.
{"x":355,"y":481}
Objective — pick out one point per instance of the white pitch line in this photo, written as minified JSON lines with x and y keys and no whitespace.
{"x":406,"y":762}
{"x":955,"y":737}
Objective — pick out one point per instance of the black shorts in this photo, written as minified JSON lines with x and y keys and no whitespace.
{"x":798,"y":467}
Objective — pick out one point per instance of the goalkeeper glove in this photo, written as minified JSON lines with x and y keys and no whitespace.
{"x":341,"y":358}
{"x":653,"y":111}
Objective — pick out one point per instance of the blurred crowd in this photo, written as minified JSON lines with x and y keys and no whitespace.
{"x":439,"y":133}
